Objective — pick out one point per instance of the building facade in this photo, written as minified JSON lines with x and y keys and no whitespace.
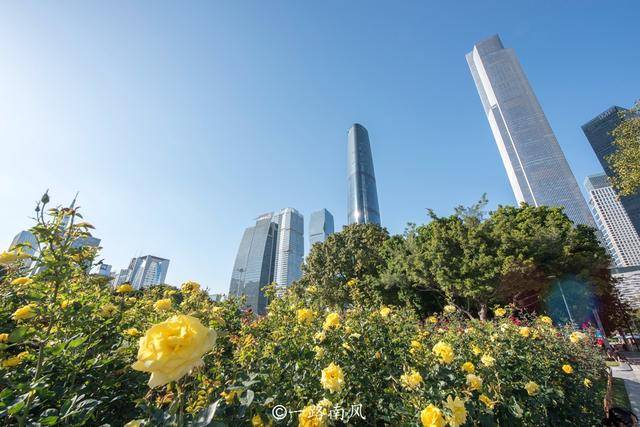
{"x":620,"y":236}
{"x":628,"y":284}
{"x":254,"y":267}
{"x":598,"y":133}
{"x":143,"y":272}
{"x":27,"y":242}
{"x":362,"y":204}
{"x":536,"y":166}
{"x":290,"y":247}
{"x":320,"y":226}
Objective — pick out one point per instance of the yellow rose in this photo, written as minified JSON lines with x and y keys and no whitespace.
{"x":567,"y":369}
{"x":444,"y":352}
{"x":163,"y":304}
{"x":476,"y":350}
{"x":474,"y":382}
{"x":468,"y":367}
{"x":24,"y":313}
{"x":133,"y":332}
{"x":313,"y":416}
{"x":22,"y":281}
{"x":449,"y":308}
{"x":228,"y":396}
{"x":458,"y":412}
{"x":415,"y":346}
{"x":487,"y":360}
{"x":487,"y":401}
{"x":190,"y":286}
{"x":525,"y":331}
{"x":431,"y":416}
{"x":499,"y":312}
{"x":124,"y":289}
{"x":352,"y":282}
{"x":4,"y":337}
{"x":170,"y":349}
{"x":385,"y":311}
{"x":108,"y":310}
{"x":15,"y":360}
{"x":256,"y":421}
{"x":411,"y":380}
{"x":304,"y":315}
{"x":319,"y":352}
{"x":312,"y":289}
{"x":545,"y":319}
{"x":332,"y":378}
{"x":432,"y":319}
{"x":65,"y":303}
{"x":319,"y":336}
{"x":532,"y":388}
{"x":576,"y":337}
{"x":587,"y":383}
{"x":9,"y":257}
{"x":332,"y":321}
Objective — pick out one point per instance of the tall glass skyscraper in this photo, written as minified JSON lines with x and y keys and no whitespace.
{"x":537,"y":169}
{"x":146,"y":271}
{"x":290,"y":249}
{"x":320,"y":226}
{"x":254,"y":267}
{"x":598,"y":132}
{"x":362,"y":205}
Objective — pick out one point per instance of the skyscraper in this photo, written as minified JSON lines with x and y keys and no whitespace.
{"x":144,"y":271}
{"x":362,"y":205}
{"x":598,"y":132}
{"x":537,"y":169}
{"x":290,"y":248}
{"x":254,"y":267}
{"x":621,"y":238}
{"x":27,"y":243}
{"x":320,"y":226}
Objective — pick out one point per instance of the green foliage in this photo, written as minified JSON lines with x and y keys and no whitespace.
{"x":625,"y":161}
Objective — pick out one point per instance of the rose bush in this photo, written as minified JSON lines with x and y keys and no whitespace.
{"x":76,"y":351}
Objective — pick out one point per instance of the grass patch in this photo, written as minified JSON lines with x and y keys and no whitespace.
{"x":611,"y":363}
{"x":619,"y":394}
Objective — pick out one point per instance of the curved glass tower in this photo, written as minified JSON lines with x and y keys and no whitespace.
{"x":362,"y":205}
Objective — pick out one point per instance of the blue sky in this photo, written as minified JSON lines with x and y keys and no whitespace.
{"x":179,"y":123}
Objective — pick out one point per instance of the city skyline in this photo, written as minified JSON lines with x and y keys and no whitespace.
{"x":167,"y":133}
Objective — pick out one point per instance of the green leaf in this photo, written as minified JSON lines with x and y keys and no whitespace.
{"x":77,"y":342}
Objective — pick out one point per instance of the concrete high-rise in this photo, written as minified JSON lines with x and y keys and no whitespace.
{"x":362,"y":204}
{"x":320,"y":226}
{"x":536,"y":166}
{"x":620,"y":237}
{"x":598,"y":132}
{"x":290,"y":248}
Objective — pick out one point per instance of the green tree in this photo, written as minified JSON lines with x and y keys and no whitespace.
{"x":625,"y":161}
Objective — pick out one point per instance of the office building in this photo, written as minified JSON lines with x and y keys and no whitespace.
{"x":103,"y":270}
{"x":598,"y":133}
{"x":290,"y":247}
{"x":362,"y":203}
{"x":536,"y":166}
{"x":320,"y":226}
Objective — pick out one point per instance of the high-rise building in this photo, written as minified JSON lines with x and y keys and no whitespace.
{"x":320,"y":226}
{"x":254,"y":267}
{"x":103,"y":270}
{"x":121,"y":277}
{"x":144,"y":271}
{"x":362,"y":204}
{"x":536,"y":166}
{"x":27,"y":243}
{"x":598,"y":132}
{"x":620,"y":237}
{"x":290,"y":247}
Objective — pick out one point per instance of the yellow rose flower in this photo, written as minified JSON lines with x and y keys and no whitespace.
{"x":133,"y":332}
{"x":108,"y":310}
{"x":332,"y":321}
{"x":65,"y":303}
{"x":170,"y":349}
{"x":124,"y":289}
{"x":458,"y":411}
{"x":444,"y":352}
{"x":319,"y":352}
{"x":567,"y":369}
{"x":532,"y":388}
{"x":487,"y":401}
{"x":468,"y":367}
{"x":431,"y":416}
{"x":411,"y":380}
{"x":22,"y":281}
{"x":9,"y":257}
{"x":525,"y":331}
{"x":432,"y":319}
{"x":385,"y":311}
{"x":24,"y":313}
{"x":487,"y":360}
{"x":228,"y":396}
{"x":15,"y":360}
{"x":415,"y":346}
{"x":476,"y":350}
{"x":312,"y":289}
{"x":545,"y":319}
{"x":4,"y":338}
{"x":499,"y":312}
{"x":163,"y":304}
{"x":587,"y":383}
{"x":576,"y":337}
{"x":304,"y":315}
{"x":319,"y":336}
{"x":256,"y":421}
{"x":449,"y":308}
{"x":313,"y":416}
{"x":474,"y":382}
{"x":352,"y":282}
{"x":190,"y":286}
{"x":332,"y":378}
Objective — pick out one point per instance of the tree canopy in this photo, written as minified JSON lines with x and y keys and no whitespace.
{"x":625,"y":161}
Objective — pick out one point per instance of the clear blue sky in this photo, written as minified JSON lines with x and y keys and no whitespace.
{"x":179,"y":123}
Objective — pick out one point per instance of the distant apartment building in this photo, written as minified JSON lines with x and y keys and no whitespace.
{"x":143,"y":272}
{"x":320,"y":226}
